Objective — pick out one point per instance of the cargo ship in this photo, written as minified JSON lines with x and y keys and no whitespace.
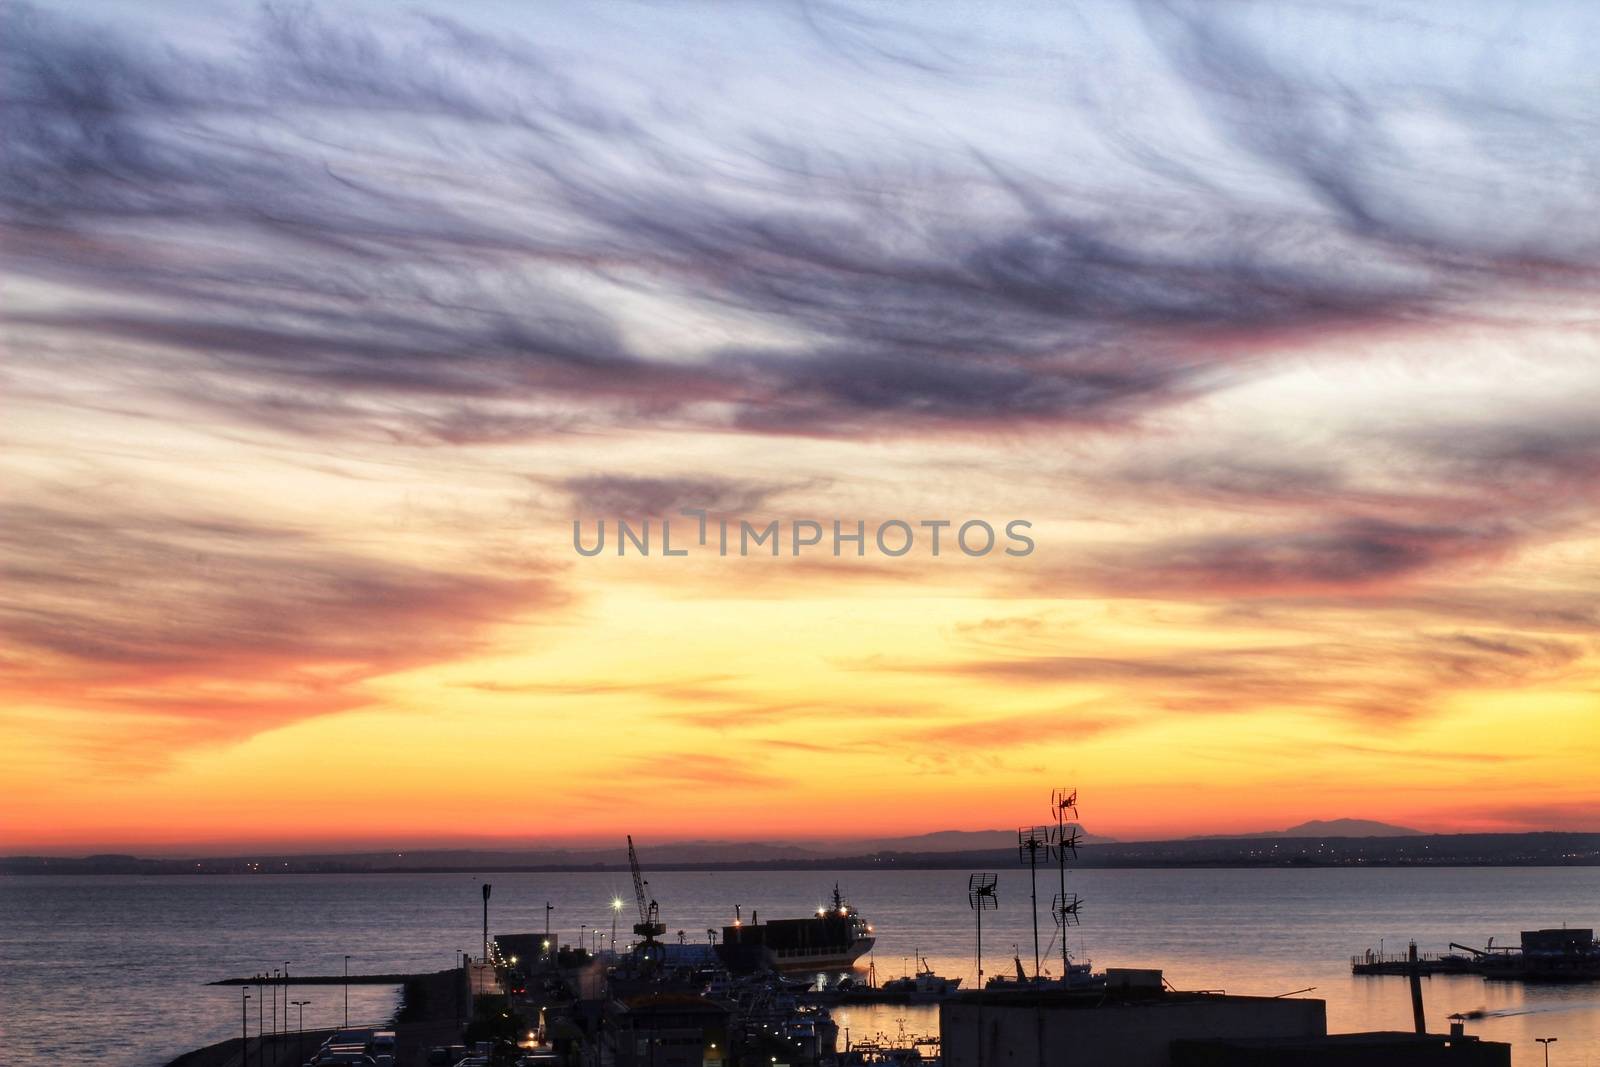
{"x":831,"y":940}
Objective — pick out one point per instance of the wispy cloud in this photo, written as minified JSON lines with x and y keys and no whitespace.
{"x":384,"y":231}
{"x":226,"y":626}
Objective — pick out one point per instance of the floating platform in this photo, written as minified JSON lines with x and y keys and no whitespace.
{"x":1554,"y":955}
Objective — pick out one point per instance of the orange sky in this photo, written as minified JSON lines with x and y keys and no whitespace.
{"x":300,"y":402}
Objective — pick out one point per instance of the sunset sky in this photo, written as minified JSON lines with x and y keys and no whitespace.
{"x":323,"y":323}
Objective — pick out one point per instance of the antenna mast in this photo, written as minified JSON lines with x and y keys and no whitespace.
{"x":1031,"y":841}
{"x":1065,"y":841}
{"x":981,"y":898}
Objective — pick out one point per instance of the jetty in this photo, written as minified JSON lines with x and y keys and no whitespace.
{"x":1553,"y":955}
{"x":325,"y":979}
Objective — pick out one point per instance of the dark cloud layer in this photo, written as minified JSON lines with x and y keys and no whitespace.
{"x":610,"y":495}
{"x":425,"y":232}
{"x":1451,"y":500}
{"x":428,"y":232}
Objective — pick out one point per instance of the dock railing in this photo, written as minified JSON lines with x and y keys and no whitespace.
{"x":1370,"y":962}
{"x":1393,"y":958}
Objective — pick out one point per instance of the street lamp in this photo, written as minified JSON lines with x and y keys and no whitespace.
{"x":347,"y":990}
{"x":616,"y":909}
{"x":300,"y":1028}
{"x":244,"y":1027}
{"x":274,"y":1014}
{"x":1546,"y":1042}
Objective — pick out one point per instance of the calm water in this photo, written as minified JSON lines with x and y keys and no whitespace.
{"x":113,"y":970}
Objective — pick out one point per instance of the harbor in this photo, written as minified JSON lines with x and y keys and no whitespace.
{"x":636,"y":989}
{"x":1215,"y":929}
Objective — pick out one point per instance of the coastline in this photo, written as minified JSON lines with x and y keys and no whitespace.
{"x":424,"y":1015}
{"x":1546,"y":848}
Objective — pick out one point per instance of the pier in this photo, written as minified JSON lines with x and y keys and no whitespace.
{"x":1426,"y":963}
{"x":1553,"y":955}
{"x":329,"y":979}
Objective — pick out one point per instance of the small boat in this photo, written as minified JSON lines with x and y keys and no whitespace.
{"x":1081,"y":977}
{"x":924,"y":984}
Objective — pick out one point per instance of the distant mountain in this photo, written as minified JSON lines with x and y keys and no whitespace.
{"x":1298,"y":846}
{"x":1330,"y":828}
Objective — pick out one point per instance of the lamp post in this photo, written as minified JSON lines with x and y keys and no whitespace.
{"x":347,"y":990}
{"x":286,"y":995}
{"x":616,"y":909}
{"x":244,"y":1027}
{"x":1546,"y":1042}
{"x":299,"y":1030}
{"x":261,"y":995}
{"x":274,"y":1014}
{"x":583,"y":936}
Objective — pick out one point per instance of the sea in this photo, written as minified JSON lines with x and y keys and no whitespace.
{"x":115,"y":970}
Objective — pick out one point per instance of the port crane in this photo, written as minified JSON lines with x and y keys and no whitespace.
{"x":649,"y":925}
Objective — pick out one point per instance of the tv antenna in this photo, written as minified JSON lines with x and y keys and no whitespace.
{"x":1033,"y":842}
{"x":1064,"y":839}
{"x":1066,"y":909}
{"x":981,"y":898}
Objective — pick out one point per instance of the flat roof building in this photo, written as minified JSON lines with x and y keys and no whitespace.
{"x":1041,"y":1028}
{"x":1377,"y":1049}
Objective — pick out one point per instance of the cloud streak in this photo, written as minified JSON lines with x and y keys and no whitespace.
{"x":451,"y":236}
{"x":227,"y":627}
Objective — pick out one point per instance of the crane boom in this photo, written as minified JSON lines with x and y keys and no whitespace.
{"x":638,"y":881}
{"x":649,"y":924}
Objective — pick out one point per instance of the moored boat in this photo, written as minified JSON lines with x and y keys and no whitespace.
{"x":922,"y":985}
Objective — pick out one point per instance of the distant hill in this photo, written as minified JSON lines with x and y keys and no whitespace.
{"x":1326,"y":828}
{"x":1279,"y":849}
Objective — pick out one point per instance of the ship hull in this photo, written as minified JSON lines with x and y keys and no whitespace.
{"x":821,"y":958}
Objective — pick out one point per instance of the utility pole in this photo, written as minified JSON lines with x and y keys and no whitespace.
{"x":981,"y":897}
{"x":299,"y":1031}
{"x":286,"y":996}
{"x":1032,"y":840}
